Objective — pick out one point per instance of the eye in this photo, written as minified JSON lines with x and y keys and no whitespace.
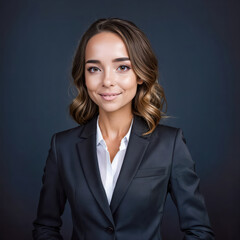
{"x":123,"y":68}
{"x":93,"y":69}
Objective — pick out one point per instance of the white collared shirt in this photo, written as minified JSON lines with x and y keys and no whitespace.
{"x":110,"y":171}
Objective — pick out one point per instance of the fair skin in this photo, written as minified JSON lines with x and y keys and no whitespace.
{"x":112,"y":85}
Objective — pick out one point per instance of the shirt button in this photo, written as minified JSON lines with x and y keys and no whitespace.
{"x":109,"y":229}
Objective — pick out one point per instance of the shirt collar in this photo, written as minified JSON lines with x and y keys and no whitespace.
{"x":124,"y":141}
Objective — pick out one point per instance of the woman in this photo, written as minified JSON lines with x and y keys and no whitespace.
{"x":118,"y":166}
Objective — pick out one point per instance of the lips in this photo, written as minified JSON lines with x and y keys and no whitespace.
{"x":109,"y":94}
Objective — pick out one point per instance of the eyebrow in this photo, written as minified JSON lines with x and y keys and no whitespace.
{"x":114,"y":60}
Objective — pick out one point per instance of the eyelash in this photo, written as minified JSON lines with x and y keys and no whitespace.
{"x":90,"y":68}
{"x":125,"y":66}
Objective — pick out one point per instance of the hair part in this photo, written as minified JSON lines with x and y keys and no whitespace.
{"x":150,"y":98}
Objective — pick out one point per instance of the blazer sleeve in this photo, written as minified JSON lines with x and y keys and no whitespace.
{"x":52,"y":200}
{"x":184,"y":190}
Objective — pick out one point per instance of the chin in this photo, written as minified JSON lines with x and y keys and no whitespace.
{"x":111,"y":109}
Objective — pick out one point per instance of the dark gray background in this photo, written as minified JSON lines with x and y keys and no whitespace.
{"x":197,"y":45}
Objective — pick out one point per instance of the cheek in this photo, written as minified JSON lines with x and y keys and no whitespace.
{"x":90,"y":84}
{"x":130,"y":87}
{"x":129,"y":82}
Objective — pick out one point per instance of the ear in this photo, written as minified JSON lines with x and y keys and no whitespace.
{"x":139,"y":81}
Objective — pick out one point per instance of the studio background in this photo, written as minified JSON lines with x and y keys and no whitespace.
{"x":197,"y":45}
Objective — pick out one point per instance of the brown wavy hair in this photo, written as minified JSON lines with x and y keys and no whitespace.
{"x":150,"y":98}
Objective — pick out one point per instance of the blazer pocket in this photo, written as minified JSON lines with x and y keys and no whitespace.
{"x":150,"y":172}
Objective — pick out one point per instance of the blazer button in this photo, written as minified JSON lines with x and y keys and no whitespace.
{"x":109,"y":229}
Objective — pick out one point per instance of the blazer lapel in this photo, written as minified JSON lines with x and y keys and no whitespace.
{"x":134,"y":154}
{"x":88,"y":158}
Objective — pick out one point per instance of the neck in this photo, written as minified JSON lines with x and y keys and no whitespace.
{"x":114,"y":125}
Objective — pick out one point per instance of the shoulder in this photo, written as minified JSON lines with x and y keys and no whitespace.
{"x":166,"y":128}
{"x":165,"y":131}
{"x":68,"y":136}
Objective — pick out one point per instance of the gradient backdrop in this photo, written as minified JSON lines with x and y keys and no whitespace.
{"x":197,"y":45}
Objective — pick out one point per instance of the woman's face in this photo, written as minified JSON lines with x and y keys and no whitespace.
{"x":109,"y":77}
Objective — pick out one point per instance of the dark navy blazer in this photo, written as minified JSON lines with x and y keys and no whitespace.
{"x":154,"y":165}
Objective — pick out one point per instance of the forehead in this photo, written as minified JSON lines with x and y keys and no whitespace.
{"x":106,"y":44}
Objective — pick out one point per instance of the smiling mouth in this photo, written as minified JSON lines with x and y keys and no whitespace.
{"x":109,"y":96}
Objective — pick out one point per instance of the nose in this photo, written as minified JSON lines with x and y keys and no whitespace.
{"x":108,"y":78}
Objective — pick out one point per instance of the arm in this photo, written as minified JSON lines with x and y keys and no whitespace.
{"x":184,"y":190}
{"x":52,"y":200}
